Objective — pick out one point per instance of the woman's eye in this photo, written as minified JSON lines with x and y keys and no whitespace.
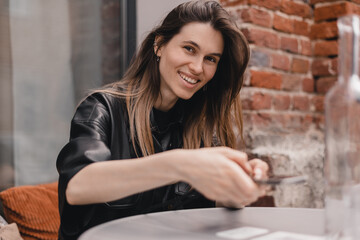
{"x":211,"y":59}
{"x":189,"y":49}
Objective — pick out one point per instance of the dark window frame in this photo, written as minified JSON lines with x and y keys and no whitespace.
{"x":128,"y":32}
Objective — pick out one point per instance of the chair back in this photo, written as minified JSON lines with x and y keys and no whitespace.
{"x":34,"y":209}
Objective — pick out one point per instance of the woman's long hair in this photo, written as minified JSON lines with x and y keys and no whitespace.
{"x":211,"y":111}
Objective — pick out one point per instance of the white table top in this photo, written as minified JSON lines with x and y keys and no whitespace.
{"x":206,"y":223}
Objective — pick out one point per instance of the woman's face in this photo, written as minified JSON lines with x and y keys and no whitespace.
{"x":187,"y":62}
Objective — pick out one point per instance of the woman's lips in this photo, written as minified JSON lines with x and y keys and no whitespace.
{"x":188,"y":79}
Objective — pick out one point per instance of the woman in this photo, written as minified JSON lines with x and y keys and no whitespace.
{"x":178,"y":98}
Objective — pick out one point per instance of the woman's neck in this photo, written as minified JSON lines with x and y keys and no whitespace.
{"x":164,"y":103}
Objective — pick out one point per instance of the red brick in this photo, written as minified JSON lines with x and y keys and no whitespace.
{"x":296,"y":8}
{"x":289,"y":44}
{"x":334,"y":11}
{"x":326,"y":48}
{"x":301,"y":28}
{"x":318,"y":102}
{"x":266,"y":79}
{"x":305,"y":46}
{"x":301,"y":103}
{"x":300,"y":65}
{"x":281,"y":102}
{"x":269,"y":122}
{"x":324,"y":84}
{"x":321,"y":67}
{"x":245,"y":96}
{"x":324,"y":30}
{"x":280,"y":61}
{"x":292,"y":82}
{"x":297,"y":122}
{"x":283,"y":24}
{"x":256,"y":16}
{"x":308,"y":85}
{"x":324,"y":67}
{"x":261,"y":101}
{"x":261,"y":120}
{"x":244,"y":15}
{"x":262,"y":38}
{"x":273,"y":4}
{"x":308,"y":120}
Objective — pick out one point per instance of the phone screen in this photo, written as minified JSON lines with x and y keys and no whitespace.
{"x":282,"y":179}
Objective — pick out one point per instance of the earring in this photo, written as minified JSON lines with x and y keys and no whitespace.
{"x":157,"y":58}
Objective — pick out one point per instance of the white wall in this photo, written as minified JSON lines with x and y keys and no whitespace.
{"x":42,"y":86}
{"x":55,"y":52}
{"x":149,"y":13}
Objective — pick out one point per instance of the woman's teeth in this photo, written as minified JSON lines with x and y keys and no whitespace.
{"x":189,"y":80}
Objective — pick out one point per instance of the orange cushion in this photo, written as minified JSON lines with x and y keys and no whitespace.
{"x":34,"y":209}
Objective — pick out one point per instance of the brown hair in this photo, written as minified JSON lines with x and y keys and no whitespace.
{"x":208,"y":112}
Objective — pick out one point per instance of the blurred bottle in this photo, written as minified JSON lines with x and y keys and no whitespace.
{"x":342,"y":158}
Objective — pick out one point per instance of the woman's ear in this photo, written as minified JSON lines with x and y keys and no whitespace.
{"x":157,"y":50}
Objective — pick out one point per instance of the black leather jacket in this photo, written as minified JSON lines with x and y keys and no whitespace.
{"x":100,"y":132}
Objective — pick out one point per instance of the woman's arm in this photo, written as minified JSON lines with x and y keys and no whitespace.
{"x":220,"y":174}
{"x":111,"y":180}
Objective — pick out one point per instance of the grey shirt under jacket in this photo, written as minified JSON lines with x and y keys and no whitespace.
{"x":100,"y":132}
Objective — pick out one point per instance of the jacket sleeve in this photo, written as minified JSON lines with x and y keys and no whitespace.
{"x":89,"y":141}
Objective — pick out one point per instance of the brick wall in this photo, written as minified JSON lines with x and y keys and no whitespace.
{"x":293,"y":64}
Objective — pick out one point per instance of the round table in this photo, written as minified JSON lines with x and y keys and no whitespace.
{"x":206,"y":223}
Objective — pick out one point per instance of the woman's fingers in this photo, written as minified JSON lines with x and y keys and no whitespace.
{"x":260,"y":168}
{"x":239,"y":157}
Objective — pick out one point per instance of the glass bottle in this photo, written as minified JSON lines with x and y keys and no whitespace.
{"x":342,"y":137}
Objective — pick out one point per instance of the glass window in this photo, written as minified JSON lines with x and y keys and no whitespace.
{"x":52,"y":53}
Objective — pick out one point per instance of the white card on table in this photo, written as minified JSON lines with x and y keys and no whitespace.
{"x":288,"y":236}
{"x":242,"y":233}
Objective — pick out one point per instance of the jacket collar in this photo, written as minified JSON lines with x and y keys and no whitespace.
{"x":162,"y":121}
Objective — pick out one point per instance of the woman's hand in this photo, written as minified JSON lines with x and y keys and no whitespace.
{"x":224,"y":175}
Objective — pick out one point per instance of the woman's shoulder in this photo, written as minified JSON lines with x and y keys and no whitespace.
{"x":105,"y":97}
{"x":99,"y":103}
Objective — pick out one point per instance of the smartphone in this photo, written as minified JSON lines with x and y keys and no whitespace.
{"x":282,"y":179}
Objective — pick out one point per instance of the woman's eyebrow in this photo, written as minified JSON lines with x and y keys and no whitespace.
{"x":197,"y":46}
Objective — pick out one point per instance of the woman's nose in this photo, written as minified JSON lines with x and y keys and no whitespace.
{"x":196,"y":66}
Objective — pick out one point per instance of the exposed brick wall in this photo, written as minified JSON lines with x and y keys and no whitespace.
{"x":293,"y":64}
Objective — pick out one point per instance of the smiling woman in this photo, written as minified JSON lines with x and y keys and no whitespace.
{"x":177,"y":101}
{"x":187,"y":62}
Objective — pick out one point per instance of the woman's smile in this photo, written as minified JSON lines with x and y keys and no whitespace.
{"x":188,"y":79}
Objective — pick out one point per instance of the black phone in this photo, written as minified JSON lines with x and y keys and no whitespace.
{"x":282,"y":179}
